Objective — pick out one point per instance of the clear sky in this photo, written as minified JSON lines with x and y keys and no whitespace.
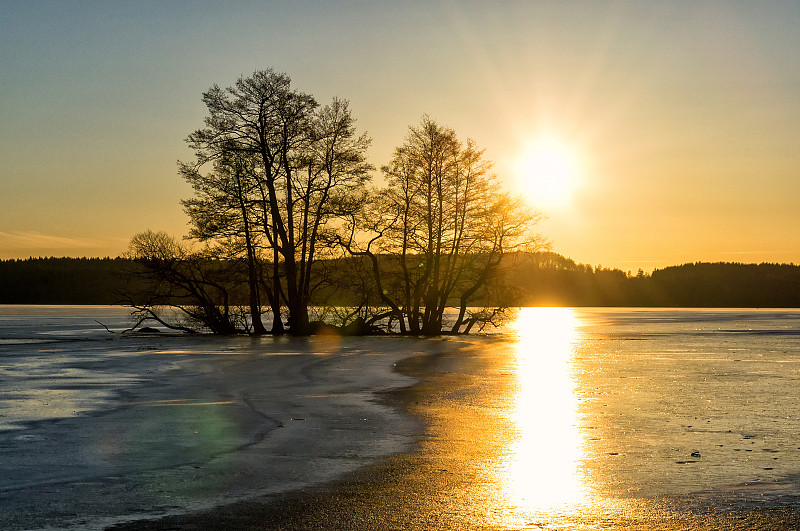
{"x":682,"y":119}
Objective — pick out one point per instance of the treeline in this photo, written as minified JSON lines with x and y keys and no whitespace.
{"x":543,"y":278}
{"x":63,"y":280}
{"x":551,"y":279}
{"x":725,"y":285}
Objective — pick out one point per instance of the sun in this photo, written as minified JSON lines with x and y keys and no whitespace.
{"x":547,"y":174}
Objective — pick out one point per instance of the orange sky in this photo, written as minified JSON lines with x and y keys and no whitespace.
{"x":683,"y":117}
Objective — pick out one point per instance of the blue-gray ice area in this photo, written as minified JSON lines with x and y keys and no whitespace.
{"x":98,"y":427}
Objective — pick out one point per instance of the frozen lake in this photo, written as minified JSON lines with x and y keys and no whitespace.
{"x":598,"y":408}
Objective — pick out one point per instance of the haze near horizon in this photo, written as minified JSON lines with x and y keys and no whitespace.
{"x":666,"y":133}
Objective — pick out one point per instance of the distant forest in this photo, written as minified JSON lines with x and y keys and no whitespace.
{"x":542,"y":278}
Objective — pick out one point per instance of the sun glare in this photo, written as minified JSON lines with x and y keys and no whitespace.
{"x":547,"y":174}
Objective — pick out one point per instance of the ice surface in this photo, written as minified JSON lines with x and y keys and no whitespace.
{"x":694,"y":406}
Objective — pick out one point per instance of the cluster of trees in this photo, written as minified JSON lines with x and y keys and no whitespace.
{"x":282,"y":186}
{"x":540,"y":278}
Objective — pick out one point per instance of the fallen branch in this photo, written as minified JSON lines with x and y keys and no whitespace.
{"x":104,"y":326}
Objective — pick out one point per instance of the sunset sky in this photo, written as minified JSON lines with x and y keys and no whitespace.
{"x":679,"y":121}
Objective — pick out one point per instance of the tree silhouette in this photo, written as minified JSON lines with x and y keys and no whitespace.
{"x":437,"y":233}
{"x":196,"y":284}
{"x":283,"y":171}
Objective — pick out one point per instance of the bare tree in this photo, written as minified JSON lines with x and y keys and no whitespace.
{"x":187,"y":290}
{"x":438,"y":232}
{"x":297,"y":163}
{"x":223,"y":208}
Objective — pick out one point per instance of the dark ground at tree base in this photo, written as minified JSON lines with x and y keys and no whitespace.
{"x":436,"y":486}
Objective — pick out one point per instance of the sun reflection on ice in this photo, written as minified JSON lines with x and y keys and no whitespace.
{"x":544,"y":469}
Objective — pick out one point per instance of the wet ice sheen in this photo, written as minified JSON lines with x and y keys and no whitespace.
{"x":699,"y":404}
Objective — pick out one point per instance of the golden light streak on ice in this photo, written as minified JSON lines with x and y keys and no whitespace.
{"x":544,"y":470}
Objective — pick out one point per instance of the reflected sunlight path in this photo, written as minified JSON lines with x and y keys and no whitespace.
{"x":544,"y":472}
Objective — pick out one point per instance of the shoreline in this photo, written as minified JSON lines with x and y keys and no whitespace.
{"x":430,"y":486}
